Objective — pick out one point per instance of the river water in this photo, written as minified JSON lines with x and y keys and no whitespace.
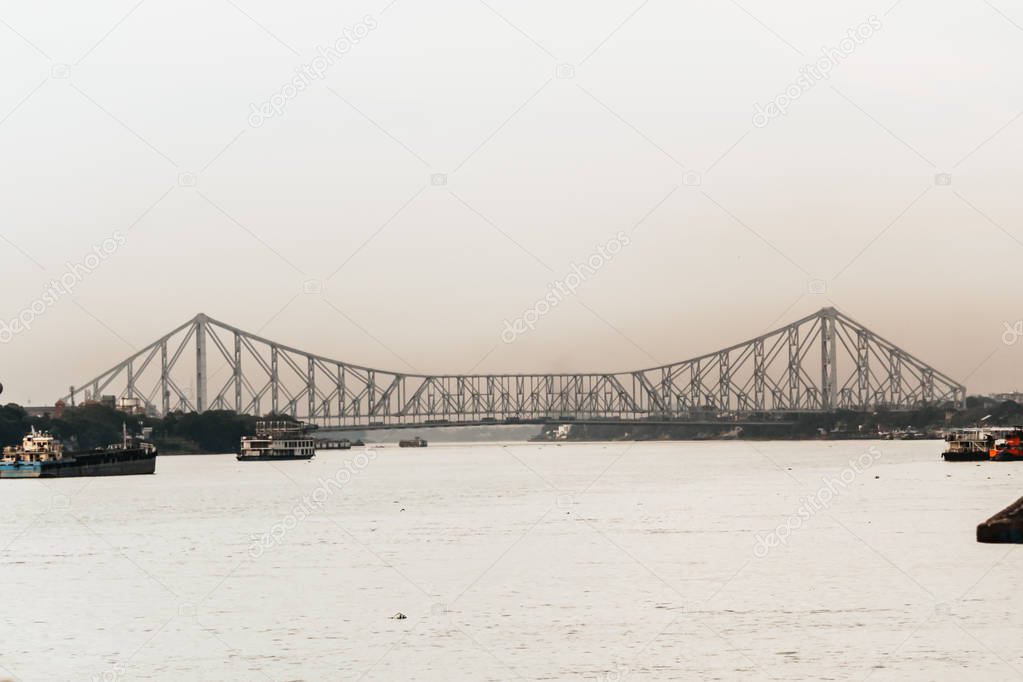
{"x":605,"y":561}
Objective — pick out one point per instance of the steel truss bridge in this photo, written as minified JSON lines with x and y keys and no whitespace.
{"x":822,"y":362}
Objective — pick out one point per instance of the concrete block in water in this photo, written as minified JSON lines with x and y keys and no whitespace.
{"x":1005,"y":526}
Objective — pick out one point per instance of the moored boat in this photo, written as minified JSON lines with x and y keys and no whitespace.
{"x":276,"y":441}
{"x":41,"y":456}
{"x":416,"y":442}
{"x":331,"y":444}
{"x":969,"y":445}
{"x":1009,"y":448}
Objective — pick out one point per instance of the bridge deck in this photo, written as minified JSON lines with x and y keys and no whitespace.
{"x":334,"y":428}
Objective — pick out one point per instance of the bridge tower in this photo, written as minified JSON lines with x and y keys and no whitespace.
{"x":201,"y":322}
{"x":829,"y":359}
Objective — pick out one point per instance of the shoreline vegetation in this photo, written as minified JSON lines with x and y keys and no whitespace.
{"x":94,"y":425}
{"x":218,"y":431}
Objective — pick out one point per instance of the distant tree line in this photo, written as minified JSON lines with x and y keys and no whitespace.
{"x":94,"y":425}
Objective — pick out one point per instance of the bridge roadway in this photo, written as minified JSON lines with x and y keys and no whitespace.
{"x":432,"y":424}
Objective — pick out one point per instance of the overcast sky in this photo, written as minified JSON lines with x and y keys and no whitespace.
{"x":455,"y":158}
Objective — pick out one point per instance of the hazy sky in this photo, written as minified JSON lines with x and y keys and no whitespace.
{"x":553,"y":126}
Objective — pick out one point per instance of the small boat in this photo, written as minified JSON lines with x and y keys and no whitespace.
{"x":416,"y":442}
{"x":1009,"y":448}
{"x":41,"y":456}
{"x":969,"y":445}
{"x":328,"y":444}
{"x":277,"y":441}
{"x":359,"y":444}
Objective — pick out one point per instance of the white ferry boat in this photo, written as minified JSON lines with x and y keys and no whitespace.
{"x":276,"y":441}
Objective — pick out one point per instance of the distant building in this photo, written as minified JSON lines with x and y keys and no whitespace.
{"x":131,"y":406}
{"x":104,"y":400}
{"x":55,"y":411}
{"x":1014,"y":396}
{"x":37,"y":411}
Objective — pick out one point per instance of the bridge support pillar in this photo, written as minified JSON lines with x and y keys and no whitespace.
{"x":164,"y":389}
{"x":200,"y":364}
{"x":130,"y":388}
{"x":274,"y":382}
{"x":237,"y":372}
{"x":829,"y":360}
{"x":310,"y":385}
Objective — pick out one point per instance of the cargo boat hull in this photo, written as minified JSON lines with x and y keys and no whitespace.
{"x":122,"y":462}
{"x":1006,"y":456}
{"x":270,"y":458}
{"x":965,"y":456}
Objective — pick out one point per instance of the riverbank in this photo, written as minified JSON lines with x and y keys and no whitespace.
{"x":703,"y":431}
{"x":218,"y":431}
{"x":927,"y":422}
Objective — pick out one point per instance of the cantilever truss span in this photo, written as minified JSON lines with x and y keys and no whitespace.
{"x":822,"y":362}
